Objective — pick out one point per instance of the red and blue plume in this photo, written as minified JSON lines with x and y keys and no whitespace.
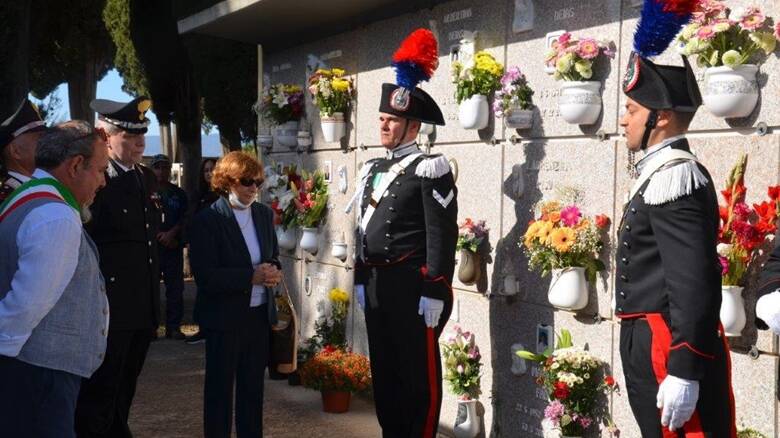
{"x":416,"y":59}
{"x":660,"y":22}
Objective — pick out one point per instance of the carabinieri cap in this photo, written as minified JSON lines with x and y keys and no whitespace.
{"x":25,"y":119}
{"x":130,"y":116}
{"x":415,"y":61}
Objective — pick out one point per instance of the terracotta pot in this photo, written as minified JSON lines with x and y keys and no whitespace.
{"x":470,"y":267}
{"x":335,"y":402}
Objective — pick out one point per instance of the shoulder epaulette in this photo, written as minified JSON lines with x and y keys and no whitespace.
{"x":433,"y":166}
{"x":674,"y":180}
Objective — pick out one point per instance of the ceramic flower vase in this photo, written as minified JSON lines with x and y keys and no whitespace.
{"x":469,"y":267}
{"x":304,"y":141}
{"x":732,"y":310}
{"x":310,"y":240}
{"x":287,"y":134}
{"x":335,"y":402}
{"x":286,"y":238}
{"x":568,"y":289}
{"x":339,"y":250}
{"x":473,"y":112}
{"x":333,"y":127}
{"x":730,"y":92}
{"x":467,"y":424}
{"x":580,"y":102}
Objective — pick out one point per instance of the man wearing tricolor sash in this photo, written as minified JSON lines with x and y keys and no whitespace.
{"x":53,"y":305}
{"x":19,"y":135}
{"x":407,"y":231}
{"x":667,"y":287}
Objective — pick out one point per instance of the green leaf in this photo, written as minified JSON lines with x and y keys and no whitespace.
{"x":527,"y":355}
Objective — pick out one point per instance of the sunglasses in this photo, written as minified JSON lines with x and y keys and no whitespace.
{"x":247,"y":182}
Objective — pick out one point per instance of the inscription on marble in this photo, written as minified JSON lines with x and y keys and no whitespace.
{"x":532,"y":418}
{"x":457,"y":35}
{"x":282,"y":67}
{"x":331,"y":55}
{"x":457,"y":15}
{"x":563,"y":14}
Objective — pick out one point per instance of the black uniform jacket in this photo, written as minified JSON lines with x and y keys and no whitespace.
{"x":415,"y":222}
{"x":124,"y":225}
{"x":667,"y":263}
{"x":223,"y":267}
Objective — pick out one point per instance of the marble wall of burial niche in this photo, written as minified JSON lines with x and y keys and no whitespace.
{"x":754,"y":382}
{"x":484,"y":23}
{"x":471,"y":313}
{"x":375,"y":47}
{"x":339,"y":51}
{"x":286,"y":66}
{"x":597,"y":19}
{"x":719,"y":153}
{"x":478,"y":170}
{"x":536,"y":171}
{"x":518,"y":400}
{"x":768,"y":80}
{"x":337,"y":227}
{"x":291,"y":269}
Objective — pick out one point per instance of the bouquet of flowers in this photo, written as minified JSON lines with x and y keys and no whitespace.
{"x":331,"y":91}
{"x":514,"y":92}
{"x":311,"y":199}
{"x":480,"y":78}
{"x":576,"y":386}
{"x":722,"y":36}
{"x":462,"y":362}
{"x":743,"y":229}
{"x":572,"y":59}
{"x":471,"y":234}
{"x":336,"y":369}
{"x":283,"y":103}
{"x":561,"y":238}
{"x":280,"y":189}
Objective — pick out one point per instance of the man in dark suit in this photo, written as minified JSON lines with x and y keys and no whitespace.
{"x":667,"y":288}
{"x":126,"y":217}
{"x":406,"y":258}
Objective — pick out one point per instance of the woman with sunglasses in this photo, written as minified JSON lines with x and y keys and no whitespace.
{"x":234,"y":258}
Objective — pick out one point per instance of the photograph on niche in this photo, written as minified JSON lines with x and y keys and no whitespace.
{"x":544,"y":337}
{"x":279,"y":167}
{"x":327,"y":170}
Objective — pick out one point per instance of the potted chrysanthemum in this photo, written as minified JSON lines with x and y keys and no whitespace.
{"x":513,"y":100}
{"x":474,"y":84}
{"x":571,"y":61}
{"x":565,"y":244}
{"x":332,"y":93}
{"x":725,"y":40}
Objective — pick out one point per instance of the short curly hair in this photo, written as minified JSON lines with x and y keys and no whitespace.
{"x":232,"y":167}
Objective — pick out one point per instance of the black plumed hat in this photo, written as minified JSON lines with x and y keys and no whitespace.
{"x":661,"y":87}
{"x":416,"y":105}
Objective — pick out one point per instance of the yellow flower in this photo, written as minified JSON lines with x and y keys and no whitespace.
{"x":549,"y":207}
{"x":532,"y":232}
{"x":340,"y":85}
{"x":544,"y":231}
{"x":338,"y":295}
{"x":338,"y":72}
{"x":562,"y":239}
{"x":322,"y":71}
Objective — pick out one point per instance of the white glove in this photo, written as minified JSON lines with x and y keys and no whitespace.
{"x":430,"y":309}
{"x":360,"y":294}
{"x":677,"y":398}
{"x":768,"y":309}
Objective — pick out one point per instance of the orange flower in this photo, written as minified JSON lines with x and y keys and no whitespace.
{"x":554,"y":216}
{"x":602,"y":221}
{"x":562,"y":239}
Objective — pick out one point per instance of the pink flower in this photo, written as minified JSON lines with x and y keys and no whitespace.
{"x":705,"y":32}
{"x":753,"y":19}
{"x":584,"y":422}
{"x":588,"y":48}
{"x":564,"y":39}
{"x":570,"y":216}
{"x":724,"y":265}
{"x":554,"y":411}
{"x":460,"y":369}
{"x":741,"y":211}
{"x":777,"y":30}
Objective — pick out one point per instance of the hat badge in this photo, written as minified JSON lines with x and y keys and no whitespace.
{"x":143,"y":107}
{"x":400,"y":99}
{"x":632,"y":73}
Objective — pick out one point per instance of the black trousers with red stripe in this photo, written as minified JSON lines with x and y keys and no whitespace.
{"x":644,"y":346}
{"x":405,"y":358}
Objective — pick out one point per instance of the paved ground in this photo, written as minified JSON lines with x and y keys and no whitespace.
{"x":168,"y":403}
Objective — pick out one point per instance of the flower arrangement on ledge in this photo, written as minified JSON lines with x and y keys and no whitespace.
{"x":280,"y":189}
{"x":576,"y":384}
{"x":331,"y":91}
{"x":513,"y":100}
{"x":311,"y":200}
{"x":283,"y":103}
{"x":462,"y":363}
{"x":572,"y":58}
{"x":470,"y":237}
{"x":474,"y":83}
{"x":336,"y":369}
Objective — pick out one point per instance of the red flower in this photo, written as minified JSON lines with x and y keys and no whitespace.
{"x":773,"y":192}
{"x":609,"y":380}
{"x":561,"y":391}
{"x":602,"y":221}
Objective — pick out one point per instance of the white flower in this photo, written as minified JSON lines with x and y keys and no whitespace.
{"x":724,"y":249}
{"x":285,"y":199}
{"x":738,"y":14}
{"x":280,"y":100}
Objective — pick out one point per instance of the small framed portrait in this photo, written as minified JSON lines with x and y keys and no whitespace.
{"x":279,"y":167}
{"x":327,"y":170}
{"x":548,"y":41}
{"x":544,"y":337}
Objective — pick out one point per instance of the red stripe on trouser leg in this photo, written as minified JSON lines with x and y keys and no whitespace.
{"x":732,"y":404}
{"x":433,"y":385}
{"x":659,"y":351}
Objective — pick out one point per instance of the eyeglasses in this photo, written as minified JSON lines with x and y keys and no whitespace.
{"x":247,"y":182}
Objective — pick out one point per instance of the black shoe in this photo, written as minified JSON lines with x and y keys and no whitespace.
{"x":197,"y":338}
{"x":175,"y":334}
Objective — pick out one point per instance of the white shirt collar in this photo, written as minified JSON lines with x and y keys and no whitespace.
{"x":40,"y":173}
{"x":402,"y":150}
{"x":18,"y":176}
{"x":652,"y":150}
{"x":121,"y":166}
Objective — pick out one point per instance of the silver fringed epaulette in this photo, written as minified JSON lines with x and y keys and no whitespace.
{"x":433,"y":166}
{"x":674,"y":180}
